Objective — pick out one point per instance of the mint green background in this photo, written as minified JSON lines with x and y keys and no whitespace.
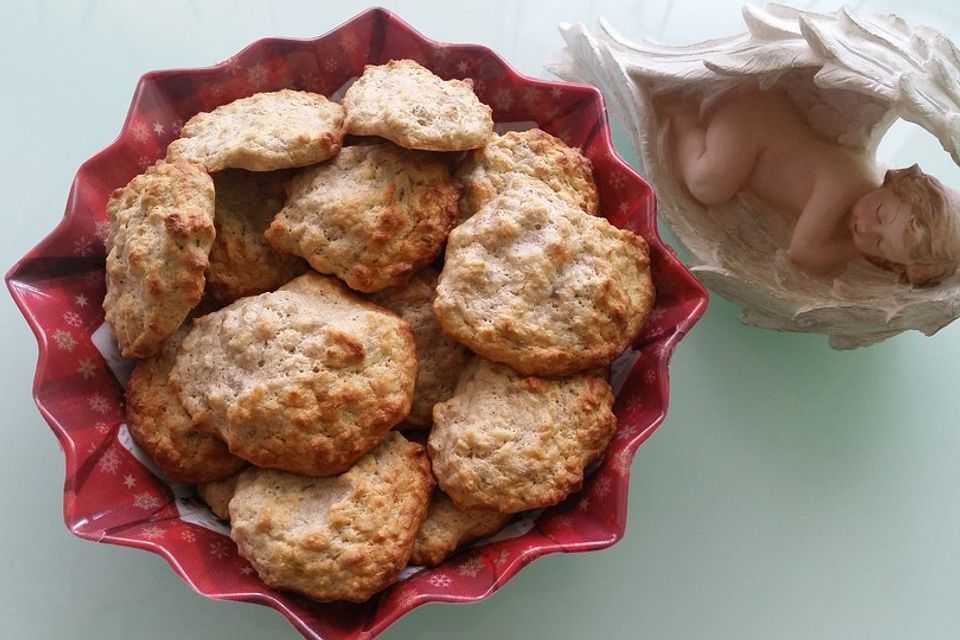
{"x":792,"y":492}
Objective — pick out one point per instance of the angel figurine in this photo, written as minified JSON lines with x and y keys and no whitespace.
{"x":761,"y":147}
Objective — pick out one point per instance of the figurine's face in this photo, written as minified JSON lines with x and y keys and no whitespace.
{"x":879,"y":222}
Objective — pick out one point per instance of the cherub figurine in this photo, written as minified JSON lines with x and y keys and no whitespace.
{"x":786,"y":118}
{"x":841,"y":209}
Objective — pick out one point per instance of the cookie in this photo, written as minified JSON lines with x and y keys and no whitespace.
{"x":538,"y":284}
{"x":446,"y":528}
{"x":161,"y":230}
{"x":340,"y":538}
{"x":407,"y":104}
{"x":371,"y":216}
{"x":486,"y":172}
{"x":162,"y":428}
{"x":307,"y":378}
{"x":241,"y":262}
{"x":263,"y":132}
{"x":510,"y":442}
{"x":441,"y":357}
{"x":217,"y":495}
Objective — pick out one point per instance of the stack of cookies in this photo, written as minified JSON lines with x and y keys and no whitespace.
{"x":293,"y":317}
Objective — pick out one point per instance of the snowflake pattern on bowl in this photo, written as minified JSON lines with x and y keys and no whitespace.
{"x":111,"y":496}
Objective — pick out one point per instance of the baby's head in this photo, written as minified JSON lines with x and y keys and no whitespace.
{"x":911,"y":226}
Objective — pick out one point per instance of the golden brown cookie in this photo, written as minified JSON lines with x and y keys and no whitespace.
{"x":538,"y":284}
{"x":370,"y":216}
{"x":339,"y":538}
{"x":307,"y":378}
{"x":263,"y":132}
{"x":162,"y":428}
{"x":217,"y":495}
{"x":241,"y":262}
{"x":510,"y":442}
{"x":487,"y":171}
{"x":447,"y":528}
{"x":441,"y":357}
{"x":161,"y":230}
{"x":406,"y":103}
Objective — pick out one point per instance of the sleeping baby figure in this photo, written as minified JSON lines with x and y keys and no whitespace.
{"x":841,"y":206}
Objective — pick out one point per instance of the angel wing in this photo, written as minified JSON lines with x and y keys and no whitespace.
{"x":851,"y":75}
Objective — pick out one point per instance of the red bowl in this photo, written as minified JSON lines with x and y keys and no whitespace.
{"x":110,"y":496}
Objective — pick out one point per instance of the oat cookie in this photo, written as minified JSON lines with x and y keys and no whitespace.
{"x":217,"y":495}
{"x":307,"y":378}
{"x":263,"y":132}
{"x":406,"y":103}
{"x":441,"y":357}
{"x":447,"y":528}
{"x":339,"y":538}
{"x":510,"y":442}
{"x":539,"y":285}
{"x":161,"y":230}
{"x":241,"y":262}
{"x":370,"y":216}
{"x":487,"y":171}
{"x":162,"y":428}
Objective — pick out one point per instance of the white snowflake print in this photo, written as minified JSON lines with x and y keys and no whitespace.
{"x":649,"y":376}
{"x":330,"y":65}
{"x":308,"y":80}
{"x":583,"y":503}
{"x":556,"y":93}
{"x":158,"y":128}
{"x":140,"y":131}
{"x":98,"y":403}
{"x":152,"y":533}
{"x":86,"y":368}
{"x":109,"y":463}
{"x":622,"y":207}
{"x":532,"y":96}
{"x":407,"y":601}
{"x":602,"y":486}
{"x":471,"y":568}
{"x":503,"y":100}
{"x":81,"y":300}
{"x":257,"y":75}
{"x":441,"y":54}
{"x":64,"y":339}
{"x":617,"y":180}
{"x":246,"y":570}
{"x":101,"y":229}
{"x":102,"y":427}
{"x":622,"y":461}
{"x":440,"y":581}
{"x":564,"y":522}
{"x":219,"y":550}
{"x":657,"y":314}
{"x":463,"y":67}
{"x":146,"y":501}
{"x":188,"y":536}
{"x":625,"y":434}
{"x":349,"y":44}
{"x":72,"y":318}
{"x":501,"y":558}
{"x":217,"y":90}
{"x":82,"y":246}
{"x":129,"y":481}
{"x":144,"y":162}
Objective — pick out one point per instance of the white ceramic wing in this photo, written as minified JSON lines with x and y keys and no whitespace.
{"x":851,"y":75}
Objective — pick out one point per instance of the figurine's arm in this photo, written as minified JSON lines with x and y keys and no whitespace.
{"x":818,"y":245}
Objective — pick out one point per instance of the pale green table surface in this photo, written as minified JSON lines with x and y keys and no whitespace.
{"x":792,"y":492}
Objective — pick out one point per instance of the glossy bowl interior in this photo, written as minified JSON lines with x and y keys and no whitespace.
{"x":112,"y":496}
